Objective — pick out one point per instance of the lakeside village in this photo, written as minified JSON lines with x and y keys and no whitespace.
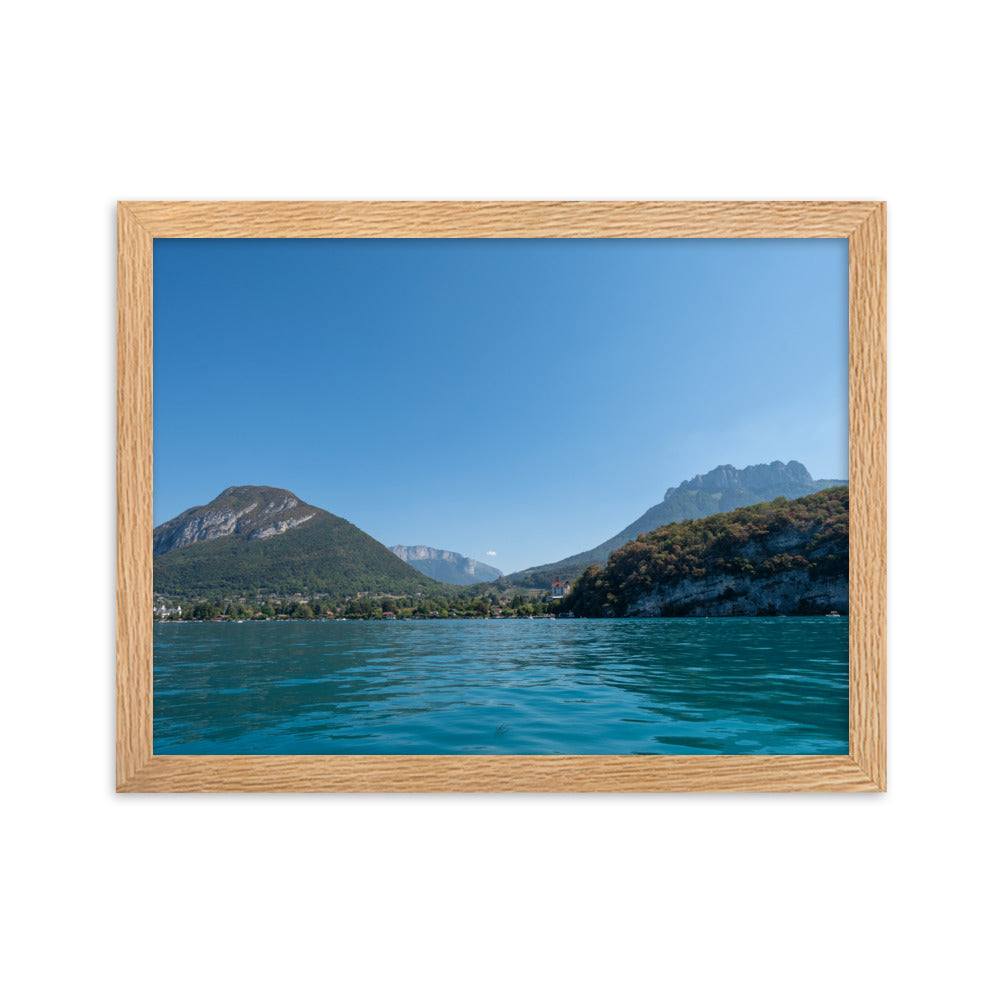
{"x":491,"y":603}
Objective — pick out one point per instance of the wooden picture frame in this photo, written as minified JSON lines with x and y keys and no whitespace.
{"x":863,"y":768}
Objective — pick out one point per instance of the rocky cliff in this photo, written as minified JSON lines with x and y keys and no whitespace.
{"x":789,"y":593}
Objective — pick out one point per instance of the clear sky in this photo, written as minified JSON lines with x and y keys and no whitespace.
{"x":517,"y":401}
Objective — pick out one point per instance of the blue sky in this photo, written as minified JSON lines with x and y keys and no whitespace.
{"x":513,"y":400}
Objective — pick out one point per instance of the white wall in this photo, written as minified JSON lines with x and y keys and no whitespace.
{"x":797,"y":896}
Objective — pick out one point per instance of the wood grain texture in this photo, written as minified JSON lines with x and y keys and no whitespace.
{"x":134,"y":474}
{"x":500,"y":774}
{"x":863,"y":224}
{"x":287,"y":219}
{"x":867,"y":471}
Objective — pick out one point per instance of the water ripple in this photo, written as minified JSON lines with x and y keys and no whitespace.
{"x":581,"y":687}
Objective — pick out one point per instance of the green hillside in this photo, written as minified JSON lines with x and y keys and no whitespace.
{"x":788,"y":556}
{"x":324,"y":555}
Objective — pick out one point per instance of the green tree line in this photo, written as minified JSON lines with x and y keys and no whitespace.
{"x":484,"y":605}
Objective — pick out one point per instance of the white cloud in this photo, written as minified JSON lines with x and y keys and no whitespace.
{"x":491,"y":553}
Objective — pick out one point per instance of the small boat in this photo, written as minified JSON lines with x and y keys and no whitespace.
{"x":832,"y":614}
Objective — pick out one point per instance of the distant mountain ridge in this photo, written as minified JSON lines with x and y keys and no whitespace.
{"x":723,"y":489}
{"x":445,"y":566}
{"x":261,"y":538}
{"x":732,"y":483}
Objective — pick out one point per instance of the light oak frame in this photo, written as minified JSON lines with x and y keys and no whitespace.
{"x":863,"y":768}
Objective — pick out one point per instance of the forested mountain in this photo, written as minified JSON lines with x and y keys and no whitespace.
{"x":723,"y":489}
{"x":781,"y":557}
{"x":447,"y":567}
{"x":257,"y":538}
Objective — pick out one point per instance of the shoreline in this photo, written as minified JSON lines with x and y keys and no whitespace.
{"x":487,"y":618}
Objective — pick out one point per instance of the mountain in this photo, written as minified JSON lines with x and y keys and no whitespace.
{"x":447,"y":567}
{"x":783,"y":557}
{"x":258,"y":538}
{"x":252,"y":512}
{"x":723,"y":489}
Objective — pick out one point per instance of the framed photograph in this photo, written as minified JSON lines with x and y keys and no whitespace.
{"x":501,"y":496}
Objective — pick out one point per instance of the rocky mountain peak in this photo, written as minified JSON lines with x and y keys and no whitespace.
{"x":756,"y":478}
{"x":250,"y":511}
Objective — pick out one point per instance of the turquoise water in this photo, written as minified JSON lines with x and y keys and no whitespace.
{"x":664,"y":686}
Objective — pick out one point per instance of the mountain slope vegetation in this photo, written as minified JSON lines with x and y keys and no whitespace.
{"x":725,"y":488}
{"x":256,"y":539}
{"x":780,"y":557}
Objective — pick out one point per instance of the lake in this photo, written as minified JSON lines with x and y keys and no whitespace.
{"x":541,"y":686}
